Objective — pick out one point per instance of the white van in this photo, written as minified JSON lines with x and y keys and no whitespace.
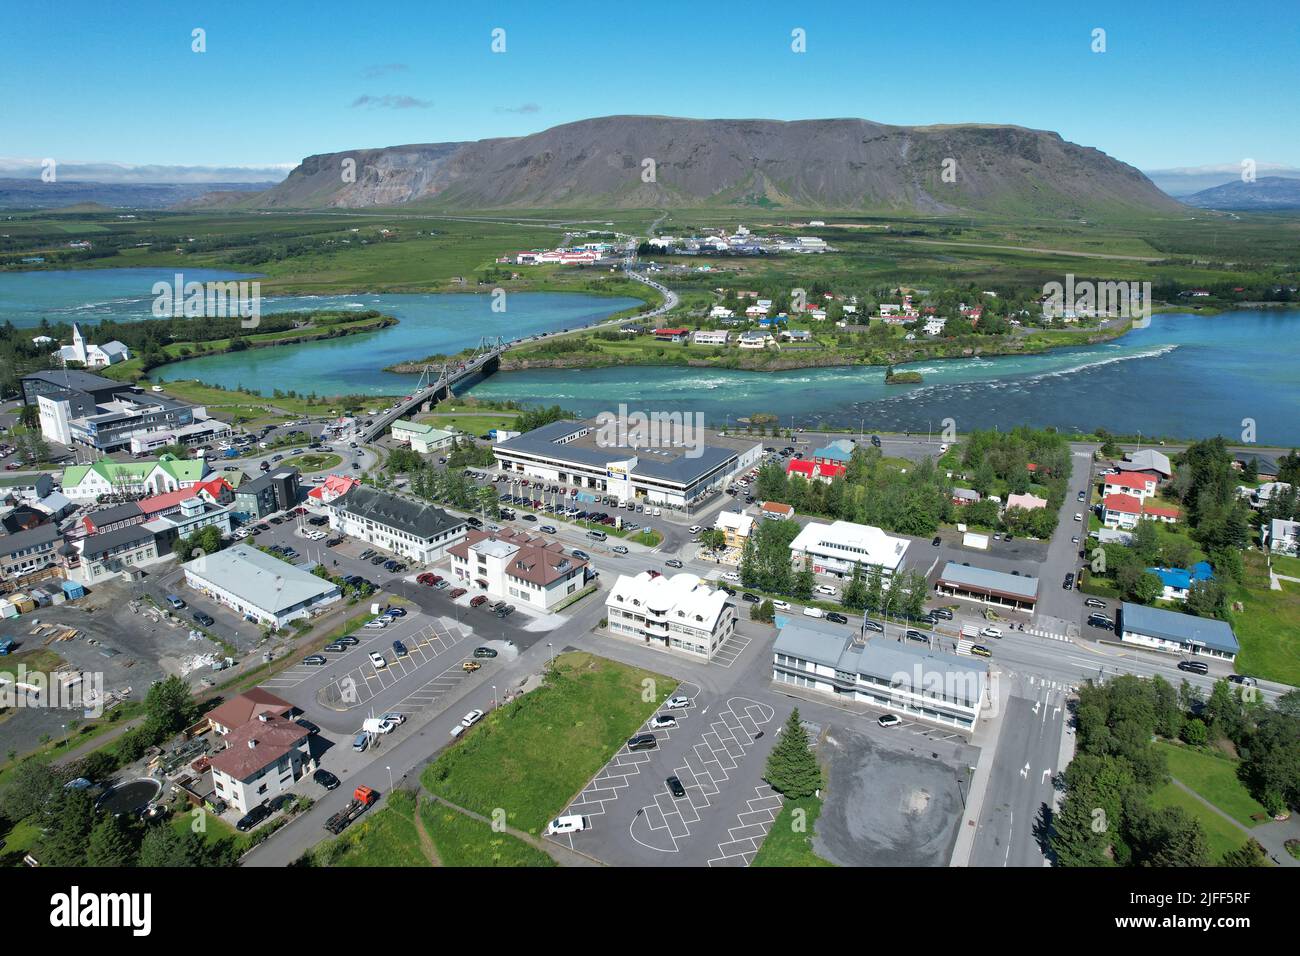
{"x":570,"y":823}
{"x":597,"y":535}
{"x":813,"y":612}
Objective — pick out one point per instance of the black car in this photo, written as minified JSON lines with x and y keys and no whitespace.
{"x":326,"y":779}
{"x":581,"y":555}
{"x":347,"y":640}
{"x":506,"y":611}
{"x":253,"y":818}
{"x":1194,"y":667}
{"x":943,"y":613}
{"x":399,"y":648}
{"x":1069,"y":581}
{"x":642,"y":742}
{"x":205,"y":619}
{"x":918,"y":636}
{"x":675,"y":787}
{"x":1100,"y":620}
{"x":484,"y":652}
{"x":836,"y":618}
{"x":307,"y":725}
{"x":937,"y":541}
{"x":751,"y":598}
{"x":730,"y":592}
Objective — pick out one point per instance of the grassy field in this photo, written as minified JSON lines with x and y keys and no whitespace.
{"x":1286,"y":565}
{"x":531,"y":756}
{"x":1215,"y":779}
{"x":1220,"y":835}
{"x":384,"y":837}
{"x":786,"y":847}
{"x":470,"y":424}
{"x":1269,"y":626}
{"x":310,"y":462}
{"x":464,"y":841}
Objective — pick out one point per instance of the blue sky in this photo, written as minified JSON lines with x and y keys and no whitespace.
{"x":1183,"y":84}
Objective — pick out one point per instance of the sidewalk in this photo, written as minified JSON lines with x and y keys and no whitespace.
{"x":986,"y":736}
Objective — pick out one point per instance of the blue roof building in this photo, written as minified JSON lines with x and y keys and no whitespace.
{"x":1178,"y":581}
{"x":1175,"y":633}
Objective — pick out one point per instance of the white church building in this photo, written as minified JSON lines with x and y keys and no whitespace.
{"x":92,"y":356}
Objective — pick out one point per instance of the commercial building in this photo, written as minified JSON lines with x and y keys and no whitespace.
{"x":897,"y":676}
{"x":27,"y":551}
{"x":1175,"y":633}
{"x":517,"y":566}
{"x":85,"y":483}
{"x":259,"y":586}
{"x":274,"y":491}
{"x":421,"y":437}
{"x":579,"y":453}
{"x":413,"y":529}
{"x":679,"y":613}
{"x":141,"y":422}
{"x":736,"y":526}
{"x":264,"y":758}
{"x":117,"y":553}
{"x":838,"y":547}
{"x":1016,"y":591}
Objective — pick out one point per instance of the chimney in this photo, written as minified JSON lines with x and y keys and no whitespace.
{"x":252,"y":744}
{"x":264,"y":717}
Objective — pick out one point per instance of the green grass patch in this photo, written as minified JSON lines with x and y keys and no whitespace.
{"x":1268,"y":627}
{"x":464,"y":841}
{"x":1215,"y":779}
{"x":384,"y":837}
{"x":1220,"y":835}
{"x":309,"y":462}
{"x":786,"y":846}
{"x":1286,"y":565}
{"x":531,"y":756}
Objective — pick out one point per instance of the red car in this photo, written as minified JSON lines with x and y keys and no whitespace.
{"x":428,"y":579}
{"x":457,"y":592}
{"x":478,"y":600}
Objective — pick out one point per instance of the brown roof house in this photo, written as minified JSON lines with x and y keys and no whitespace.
{"x":516,"y":566}
{"x":265,"y":757}
{"x":240,"y":710}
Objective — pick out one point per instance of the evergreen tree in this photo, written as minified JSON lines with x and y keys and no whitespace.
{"x":1249,"y":853}
{"x":855,"y":595}
{"x":112,"y":844}
{"x":792,"y":768}
{"x":804,"y":581}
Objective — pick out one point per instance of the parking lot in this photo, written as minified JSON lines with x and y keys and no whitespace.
{"x":717,"y":751}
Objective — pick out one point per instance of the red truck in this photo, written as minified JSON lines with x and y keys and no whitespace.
{"x":362,"y":798}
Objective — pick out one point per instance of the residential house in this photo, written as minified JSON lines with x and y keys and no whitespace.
{"x":1138,"y":484}
{"x":839,"y":547}
{"x":516,"y":566}
{"x":825,"y":472}
{"x":1178,"y":581}
{"x":736,"y":526}
{"x":1027,"y":502}
{"x":421,"y":437}
{"x":1125,"y":511}
{"x":679,"y":613}
{"x":263,"y":759}
{"x":1283,"y":536}
{"x":775,"y":510}
{"x":710,"y":337}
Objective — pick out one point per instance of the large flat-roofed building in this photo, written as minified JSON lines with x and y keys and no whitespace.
{"x":679,"y":613}
{"x":897,"y":676}
{"x":416,"y":530}
{"x":517,"y":566}
{"x":836,"y":548}
{"x":256,"y":584}
{"x":576,"y":453}
{"x":1174,"y":633}
{"x":1016,"y":591}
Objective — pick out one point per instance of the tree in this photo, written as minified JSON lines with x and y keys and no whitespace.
{"x":1168,"y":837}
{"x":169,"y":706}
{"x":1194,"y":733}
{"x":69,"y":820}
{"x":112,"y":844}
{"x":855,"y":593}
{"x":804,"y":581}
{"x":165,"y":847}
{"x":792,"y":769}
{"x":32,"y":785}
{"x":1271,"y":767}
{"x":764,"y":611}
{"x":1248,"y":854}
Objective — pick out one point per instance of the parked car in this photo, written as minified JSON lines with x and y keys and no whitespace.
{"x":751,"y":598}
{"x":325,"y":779}
{"x":678,"y":702}
{"x":315,"y":660}
{"x":477,"y":600}
{"x":675,"y":787}
{"x":917,"y":636}
{"x":889,"y":720}
{"x":175,"y":602}
{"x":661,"y":721}
{"x":1242,"y":680}
{"x":378,"y":659}
{"x":1101,"y":620}
{"x":781,"y":605}
{"x":457,"y":592}
{"x":399,"y":648}
{"x":942,"y":613}
{"x":253,"y":817}
{"x":484,"y":652}
{"x":205,"y":619}
{"x":569,"y":823}
{"x":642,"y":742}
{"x":936,"y":542}
{"x":472,"y":718}
{"x":1069,"y":581}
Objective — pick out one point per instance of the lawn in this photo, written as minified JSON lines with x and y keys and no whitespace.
{"x":464,"y":841}
{"x":1269,"y":626}
{"x":784,"y":845}
{"x":531,"y":756}
{"x":1220,"y":836}
{"x":1286,"y":565}
{"x":385,"y":837}
{"x":309,"y":462}
{"x":1215,"y":779}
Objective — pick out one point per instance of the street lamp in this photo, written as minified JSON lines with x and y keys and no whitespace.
{"x":390,"y":779}
{"x":494,"y":695}
{"x":550,"y":657}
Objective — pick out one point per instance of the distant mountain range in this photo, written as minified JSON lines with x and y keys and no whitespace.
{"x":833,"y":164}
{"x":34,"y":194}
{"x":1264,"y":194}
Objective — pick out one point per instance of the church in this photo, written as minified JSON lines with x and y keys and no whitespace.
{"x":92,"y":356}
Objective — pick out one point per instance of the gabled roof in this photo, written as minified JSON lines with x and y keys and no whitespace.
{"x":241,"y":709}
{"x":1181,"y":628}
{"x":258,"y":744}
{"x":415,"y":517}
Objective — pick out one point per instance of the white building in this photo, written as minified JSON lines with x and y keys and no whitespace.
{"x":1284,"y":536}
{"x":92,"y":356}
{"x":412,"y":529}
{"x":421,"y":437}
{"x":897,"y":676}
{"x":678,"y":613}
{"x":264,"y":758}
{"x":736,"y":525}
{"x":710,"y":337}
{"x":259,"y":586}
{"x":835,"y":549}
{"x":515,"y":566}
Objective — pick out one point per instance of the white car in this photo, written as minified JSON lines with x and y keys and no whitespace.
{"x":1078,"y":516}
{"x":694,"y":529}
{"x":378,"y":624}
{"x":826,"y":589}
{"x":472,"y":718}
{"x":677,"y":702}
{"x":813,"y":612}
{"x":571,"y":823}
{"x":731,"y":576}
{"x":990,"y":632}
{"x":378,"y":659}
{"x":781,"y":605}
{"x":660,"y":721}
{"x":889,"y":720}
{"x":394,"y":718}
